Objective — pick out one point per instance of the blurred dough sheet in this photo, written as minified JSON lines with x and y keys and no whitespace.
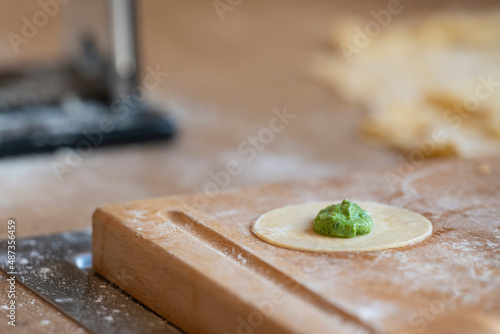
{"x":429,"y":83}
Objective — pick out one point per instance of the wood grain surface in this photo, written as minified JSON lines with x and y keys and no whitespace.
{"x":192,"y":258}
{"x":225,"y":78}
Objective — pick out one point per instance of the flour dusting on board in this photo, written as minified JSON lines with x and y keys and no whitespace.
{"x":372,"y":311}
{"x":139,"y":214}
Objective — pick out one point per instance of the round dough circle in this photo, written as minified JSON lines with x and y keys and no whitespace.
{"x":292,"y":227}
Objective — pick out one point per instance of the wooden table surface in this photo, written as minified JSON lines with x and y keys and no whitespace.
{"x":225,"y":79}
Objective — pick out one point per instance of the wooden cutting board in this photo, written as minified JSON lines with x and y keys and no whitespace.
{"x":195,"y":261}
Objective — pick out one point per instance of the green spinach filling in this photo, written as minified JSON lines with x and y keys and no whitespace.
{"x":343,"y":220}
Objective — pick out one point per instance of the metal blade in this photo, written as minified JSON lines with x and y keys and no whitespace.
{"x":58,"y":269}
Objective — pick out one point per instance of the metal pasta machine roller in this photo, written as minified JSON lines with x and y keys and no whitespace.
{"x":91,"y":98}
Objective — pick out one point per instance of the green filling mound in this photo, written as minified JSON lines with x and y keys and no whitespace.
{"x":344,"y":220}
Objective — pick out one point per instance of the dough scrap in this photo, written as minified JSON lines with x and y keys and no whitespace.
{"x":423,"y":74}
{"x":291,"y":227}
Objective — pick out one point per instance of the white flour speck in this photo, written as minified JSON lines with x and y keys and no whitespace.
{"x":45,"y":270}
{"x":241,"y":259}
{"x":64,"y":300}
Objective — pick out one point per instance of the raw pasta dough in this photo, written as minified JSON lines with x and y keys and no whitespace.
{"x":291,"y":227}
{"x":423,"y":74}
